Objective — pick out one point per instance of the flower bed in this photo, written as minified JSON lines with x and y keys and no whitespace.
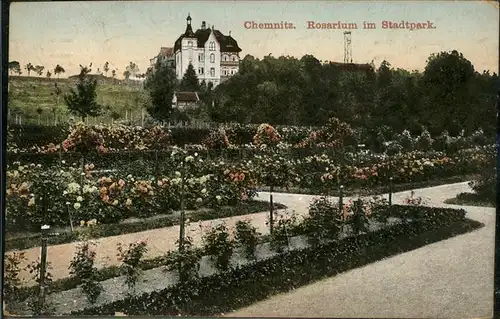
{"x":248,"y":281}
{"x":25,"y":241}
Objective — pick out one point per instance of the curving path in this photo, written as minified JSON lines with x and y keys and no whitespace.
{"x":448,"y":279}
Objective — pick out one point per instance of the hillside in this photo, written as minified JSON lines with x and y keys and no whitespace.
{"x":29,"y":93}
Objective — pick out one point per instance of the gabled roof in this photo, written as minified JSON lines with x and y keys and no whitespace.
{"x":226,"y":42}
{"x":187,"y":96}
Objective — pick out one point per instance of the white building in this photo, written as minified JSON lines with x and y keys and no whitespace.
{"x":166,"y":56}
{"x":214,"y":56}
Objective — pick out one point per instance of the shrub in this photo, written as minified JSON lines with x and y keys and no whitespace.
{"x":219,"y":246}
{"x":284,"y":227}
{"x":11,"y":280}
{"x":186,"y":262}
{"x":247,"y":237}
{"x":324,"y":220}
{"x":131,"y":258}
{"x":82,"y":267}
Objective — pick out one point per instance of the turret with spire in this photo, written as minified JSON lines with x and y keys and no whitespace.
{"x":189,"y":30}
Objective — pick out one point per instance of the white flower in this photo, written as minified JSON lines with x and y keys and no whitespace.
{"x":177,"y":173}
{"x":79,"y":199}
{"x":218,"y":197}
{"x":77,"y":205}
{"x":203,"y":191}
{"x":189,"y":158}
{"x":195,"y":154}
{"x":63,"y":162}
{"x":31,"y":202}
{"x":198,"y":200}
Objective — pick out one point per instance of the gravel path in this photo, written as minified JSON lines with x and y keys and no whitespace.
{"x":448,"y":279}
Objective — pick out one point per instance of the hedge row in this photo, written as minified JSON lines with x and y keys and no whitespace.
{"x":107,"y":230}
{"x":242,"y":286}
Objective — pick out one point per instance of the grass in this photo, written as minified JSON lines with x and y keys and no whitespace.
{"x":30,"y":240}
{"x":27,"y":94}
{"x":470,"y":199}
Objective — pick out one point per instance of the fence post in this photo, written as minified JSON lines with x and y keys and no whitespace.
{"x":181,"y":234}
{"x":341,"y":198}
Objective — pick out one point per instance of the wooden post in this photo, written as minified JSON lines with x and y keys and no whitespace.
{"x":182,"y":226}
{"x":271,"y":209}
{"x":43,"y":262}
{"x":390,"y":191}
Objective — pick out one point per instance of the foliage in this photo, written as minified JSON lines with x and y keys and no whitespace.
{"x":160,"y":86}
{"x":324,"y":221}
{"x":11,"y":280}
{"x":217,"y":243}
{"x":486,"y":185}
{"x":82,"y":267}
{"x":284,"y":226}
{"x":83,"y":100}
{"x":247,"y":237}
{"x":416,"y":201}
{"x":242,"y":286}
{"x":130,"y":258}
{"x":186,"y":261}
{"x":190,"y":82}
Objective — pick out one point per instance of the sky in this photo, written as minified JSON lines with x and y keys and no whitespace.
{"x":74,"y":33}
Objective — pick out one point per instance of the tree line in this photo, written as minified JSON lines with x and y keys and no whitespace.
{"x":449,"y":94}
{"x":132,"y":69}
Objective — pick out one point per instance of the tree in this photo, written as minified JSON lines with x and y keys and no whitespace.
{"x":39,"y":69}
{"x":39,"y":110}
{"x":29,"y":67}
{"x":83,"y":101}
{"x":446,"y":80}
{"x":126,"y":74}
{"x":14,"y":67}
{"x":189,"y":82}
{"x":49,"y":74}
{"x":160,"y":86}
{"x":132,"y":68}
{"x":58,"y":70}
{"x":113,"y":73}
{"x":106,"y":68}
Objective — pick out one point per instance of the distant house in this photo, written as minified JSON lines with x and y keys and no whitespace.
{"x":166,"y":57}
{"x":184,"y":100}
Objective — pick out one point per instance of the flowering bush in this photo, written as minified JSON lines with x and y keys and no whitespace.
{"x":324,"y":220}
{"x":217,"y":140}
{"x":84,"y":139}
{"x":186,"y":262}
{"x":131,"y":258}
{"x":82,"y":267}
{"x":334,"y":134}
{"x":219,"y":244}
{"x":266,"y":135}
{"x":415,"y":201}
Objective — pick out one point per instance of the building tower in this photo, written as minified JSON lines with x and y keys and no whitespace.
{"x":347,"y":47}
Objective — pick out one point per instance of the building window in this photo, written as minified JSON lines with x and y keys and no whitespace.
{"x":200,"y":71}
{"x":211,"y":46}
{"x":212,"y":72}
{"x":234,"y":58}
{"x":201,"y":57}
{"x":212,"y":58}
{"x":190,"y":44}
{"x":190,"y":56}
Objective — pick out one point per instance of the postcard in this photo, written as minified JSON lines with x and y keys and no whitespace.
{"x":251,"y":158}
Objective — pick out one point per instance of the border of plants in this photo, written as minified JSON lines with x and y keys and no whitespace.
{"x":107,"y":230}
{"x":244,"y":285}
{"x":470,"y":199}
{"x":420,"y":226}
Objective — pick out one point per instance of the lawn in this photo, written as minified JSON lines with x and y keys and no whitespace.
{"x":27,"y":94}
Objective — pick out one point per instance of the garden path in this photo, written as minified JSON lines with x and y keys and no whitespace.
{"x":164,"y":239}
{"x":452,"y":278}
